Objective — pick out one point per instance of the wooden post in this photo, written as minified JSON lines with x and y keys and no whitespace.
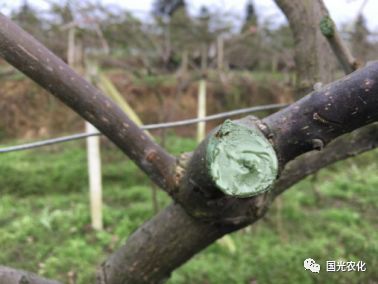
{"x":220,"y":52}
{"x":204,"y":54}
{"x":184,"y":64}
{"x":201,"y":126}
{"x":95,"y":178}
{"x":75,"y":59}
{"x":104,"y":83}
{"x":71,"y":47}
{"x":94,"y":162}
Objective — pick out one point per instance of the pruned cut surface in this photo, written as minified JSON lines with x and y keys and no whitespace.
{"x":241,"y":160}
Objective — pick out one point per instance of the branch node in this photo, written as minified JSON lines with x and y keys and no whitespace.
{"x":317,"y":144}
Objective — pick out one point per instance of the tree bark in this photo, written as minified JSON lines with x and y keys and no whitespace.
{"x":309,"y":124}
{"x":313,"y":55}
{"x":172,"y":237}
{"x":316,"y":119}
{"x":14,"y":276}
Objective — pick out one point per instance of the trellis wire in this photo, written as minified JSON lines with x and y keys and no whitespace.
{"x":185,"y":122}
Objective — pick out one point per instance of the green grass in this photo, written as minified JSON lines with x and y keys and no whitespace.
{"x":45,"y":222}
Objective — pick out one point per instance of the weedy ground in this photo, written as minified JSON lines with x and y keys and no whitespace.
{"x":45,"y":221}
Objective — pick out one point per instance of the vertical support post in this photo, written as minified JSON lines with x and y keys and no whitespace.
{"x":184,"y":64}
{"x":75,"y":59}
{"x":71,"y":47}
{"x":220,"y":52}
{"x":95,"y":179}
{"x":204,"y":54}
{"x":94,"y":161}
{"x":201,"y":126}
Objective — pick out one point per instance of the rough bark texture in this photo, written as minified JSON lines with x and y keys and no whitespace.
{"x":172,"y":237}
{"x":14,"y":276}
{"x":316,"y":119}
{"x":37,"y":62}
{"x":348,"y":145}
{"x":308,"y":124}
{"x":158,"y":247}
{"x":313,"y":56}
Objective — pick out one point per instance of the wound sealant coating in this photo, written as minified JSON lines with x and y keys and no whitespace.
{"x":241,"y":161}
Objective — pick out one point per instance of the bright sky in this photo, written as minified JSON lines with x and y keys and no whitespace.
{"x":342,"y":11}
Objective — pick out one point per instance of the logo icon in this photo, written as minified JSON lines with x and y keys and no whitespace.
{"x":310,"y":264}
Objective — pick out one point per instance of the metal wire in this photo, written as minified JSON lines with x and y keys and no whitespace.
{"x":78,"y":136}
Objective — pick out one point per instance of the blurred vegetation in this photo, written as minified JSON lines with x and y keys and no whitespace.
{"x":28,"y":112}
{"x":45,"y":222}
{"x":170,"y":39}
{"x":155,"y":59}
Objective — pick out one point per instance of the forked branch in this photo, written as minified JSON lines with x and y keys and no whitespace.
{"x":172,"y":237}
{"x":236,"y":159}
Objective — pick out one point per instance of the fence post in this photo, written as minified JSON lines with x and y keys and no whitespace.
{"x":95,"y":177}
{"x":94,"y":160}
{"x":201,"y":127}
{"x":75,"y":59}
{"x":220,"y":52}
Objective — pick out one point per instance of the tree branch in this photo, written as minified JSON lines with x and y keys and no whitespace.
{"x":29,"y":56}
{"x":158,"y":247}
{"x":313,"y":56}
{"x":348,"y":145}
{"x":172,"y":237}
{"x":234,"y":160}
{"x":318,"y":118}
{"x":14,"y":276}
{"x":338,"y":46}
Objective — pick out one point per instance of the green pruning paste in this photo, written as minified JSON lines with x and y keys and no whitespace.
{"x":327,"y":26}
{"x":241,"y":161}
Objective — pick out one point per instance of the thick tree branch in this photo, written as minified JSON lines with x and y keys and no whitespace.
{"x":309,"y":124}
{"x":158,"y":247}
{"x":37,"y":62}
{"x":313,"y":56}
{"x":312,"y":64}
{"x":14,"y":276}
{"x":172,"y":237}
{"x":243,"y":161}
{"x":318,"y":118}
{"x":348,"y":145}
